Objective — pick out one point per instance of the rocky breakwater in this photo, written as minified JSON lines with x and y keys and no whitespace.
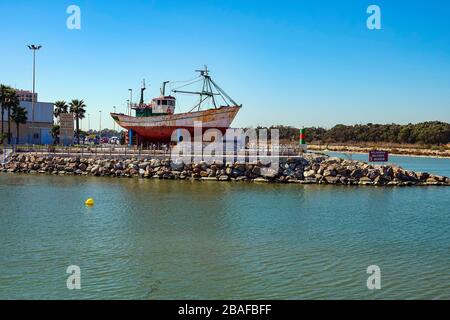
{"x":310,"y":169}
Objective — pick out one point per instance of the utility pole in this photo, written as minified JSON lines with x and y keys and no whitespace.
{"x":33,"y":98}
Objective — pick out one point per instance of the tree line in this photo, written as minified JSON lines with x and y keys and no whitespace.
{"x":432,"y":132}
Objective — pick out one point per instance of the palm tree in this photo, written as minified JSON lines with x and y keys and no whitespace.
{"x":19,"y":116}
{"x":77,"y":107}
{"x":55,"y":134}
{"x":11,"y":101}
{"x":60,"y":107}
{"x":2,"y":102}
{"x":5,"y":93}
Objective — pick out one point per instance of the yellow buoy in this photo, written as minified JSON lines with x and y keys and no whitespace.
{"x":89,"y":202}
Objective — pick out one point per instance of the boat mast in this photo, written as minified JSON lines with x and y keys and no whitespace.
{"x":207,"y":91}
{"x":141,"y":101}
{"x":163,"y":89}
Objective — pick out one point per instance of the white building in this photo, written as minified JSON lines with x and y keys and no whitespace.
{"x":37,"y":132}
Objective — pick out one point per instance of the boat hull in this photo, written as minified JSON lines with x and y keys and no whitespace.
{"x":161,"y":128}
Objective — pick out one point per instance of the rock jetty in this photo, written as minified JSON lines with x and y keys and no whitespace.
{"x":309,"y":169}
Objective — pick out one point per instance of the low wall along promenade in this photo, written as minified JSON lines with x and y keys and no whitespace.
{"x":306,"y":169}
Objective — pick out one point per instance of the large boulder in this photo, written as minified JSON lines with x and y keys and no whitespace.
{"x":224,"y":178}
{"x":330,"y":172}
{"x":365,"y":181}
{"x":422,"y":176}
{"x":177,"y":165}
{"x":240,"y":166}
{"x":380,"y":180}
{"x":309,"y":180}
{"x":309,"y":173}
{"x":372,"y":174}
{"x":142,"y":165}
{"x":204,"y":174}
{"x":95,"y":169}
{"x":154,"y":163}
{"x":356,"y":174}
{"x":256,"y":171}
{"x":332,"y":180}
{"x":269,"y":173}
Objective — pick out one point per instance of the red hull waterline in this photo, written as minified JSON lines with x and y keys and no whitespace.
{"x":161,"y":128}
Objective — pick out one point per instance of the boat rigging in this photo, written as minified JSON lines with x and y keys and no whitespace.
{"x":208,"y":92}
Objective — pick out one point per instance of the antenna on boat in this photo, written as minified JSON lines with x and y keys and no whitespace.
{"x":141,"y":101}
{"x":163,"y":89}
{"x":204,"y":72}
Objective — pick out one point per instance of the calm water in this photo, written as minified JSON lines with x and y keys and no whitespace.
{"x":148,"y":239}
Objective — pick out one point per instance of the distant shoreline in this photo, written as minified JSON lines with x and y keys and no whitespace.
{"x":395,"y":151}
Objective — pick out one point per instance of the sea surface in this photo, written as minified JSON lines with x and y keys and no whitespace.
{"x":152,"y":239}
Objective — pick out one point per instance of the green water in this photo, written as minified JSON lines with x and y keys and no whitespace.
{"x":151,"y":239}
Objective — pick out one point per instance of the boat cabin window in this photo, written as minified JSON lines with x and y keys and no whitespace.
{"x":165,"y":102}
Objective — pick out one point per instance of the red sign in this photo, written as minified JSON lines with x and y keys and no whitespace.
{"x":378,"y":156}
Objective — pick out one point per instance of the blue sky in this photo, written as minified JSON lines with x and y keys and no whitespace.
{"x":300,"y":63}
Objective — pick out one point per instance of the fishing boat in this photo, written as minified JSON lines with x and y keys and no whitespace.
{"x":157,"y":121}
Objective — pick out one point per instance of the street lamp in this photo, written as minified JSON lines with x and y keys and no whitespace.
{"x":33,"y":99}
{"x":131,"y":100}
{"x":114,"y":122}
{"x":100,"y":131}
{"x":89,"y":121}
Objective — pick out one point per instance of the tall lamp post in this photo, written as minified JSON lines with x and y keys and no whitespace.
{"x":131,"y":100}
{"x":100,"y":131}
{"x":33,"y":98}
{"x":89,"y":121}
{"x":114,"y":122}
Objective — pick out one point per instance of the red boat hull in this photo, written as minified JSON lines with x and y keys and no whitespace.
{"x":164,"y":128}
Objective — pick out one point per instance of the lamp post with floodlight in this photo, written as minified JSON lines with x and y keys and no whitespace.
{"x":131,"y":100}
{"x":100,"y":129}
{"x":114,"y":122}
{"x":33,"y":98}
